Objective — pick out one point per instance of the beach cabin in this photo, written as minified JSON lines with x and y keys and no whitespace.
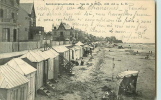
{"x":37,"y":62}
{"x":75,"y":52}
{"x":46,"y":66}
{"x":126,"y":82}
{"x":81,"y":46}
{"x":63,"y":57}
{"x":53,"y":64}
{"x":71,"y":52}
{"x":86,"y":49}
{"x":28,"y":71}
{"x":13,"y":85}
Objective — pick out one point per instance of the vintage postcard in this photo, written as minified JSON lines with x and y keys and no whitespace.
{"x":77,"y":50}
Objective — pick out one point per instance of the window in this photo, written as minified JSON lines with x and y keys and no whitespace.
{"x":13,"y":15}
{"x":1,"y":13}
{"x":71,"y":33}
{"x":61,"y":33}
{"x":6,"y":34}
{"x":14,"y":35}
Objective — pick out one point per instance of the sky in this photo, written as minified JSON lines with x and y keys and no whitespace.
{"x":130,"y":21}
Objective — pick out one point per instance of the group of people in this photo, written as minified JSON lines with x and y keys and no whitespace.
{"x":81,"y":63}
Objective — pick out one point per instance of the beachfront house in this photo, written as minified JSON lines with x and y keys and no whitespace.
{"x":28,"y":71}
{"x":13,"y":85}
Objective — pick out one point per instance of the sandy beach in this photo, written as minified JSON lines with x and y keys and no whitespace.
{"x":88,"y":81}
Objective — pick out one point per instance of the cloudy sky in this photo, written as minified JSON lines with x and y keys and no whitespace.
{"x":131,"y":21}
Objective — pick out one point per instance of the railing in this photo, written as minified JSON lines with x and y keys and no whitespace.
{"x":8,"y":20}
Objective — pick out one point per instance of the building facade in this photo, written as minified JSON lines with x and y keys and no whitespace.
{"x":8,"y":20}
{"x":26,"y":21}
{"x":62,"y":32}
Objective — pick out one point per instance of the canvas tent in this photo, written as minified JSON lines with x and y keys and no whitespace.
{"x":127,"y":81}
{"x":86,"y":50}
{"x":13,"y":85}
{"x":37,"y":61}
{"x":27,"y":70}
{"x":63,"y":57}
{"x":76,"y":52}
{"x":47,"y":68}
{"x":79,"y":43}
{"x":53,"y":63}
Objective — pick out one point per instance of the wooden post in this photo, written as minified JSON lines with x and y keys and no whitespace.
{"x":113,"y":68}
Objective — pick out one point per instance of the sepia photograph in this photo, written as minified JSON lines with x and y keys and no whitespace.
{"x":78,"y":50}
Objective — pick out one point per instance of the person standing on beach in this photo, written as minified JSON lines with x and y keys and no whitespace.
{"x":82,"y":62}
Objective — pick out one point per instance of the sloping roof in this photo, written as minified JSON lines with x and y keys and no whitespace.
{"x":51,"y":53}
{"x":42,"y":54}
{"x":67,"y":26}
{"x":86,"y":46}
{"x":32,"y":56}
{"x":54,"y":52}
{"x":21,"y":66}
{"x":60,"y":49}
{"x":10,"y":78}
{"x":77,"y":47}
{"x":27,"y":7}
{"x":127,"y":74}
{"x":57,"y":26}
{"x":79,"y":43}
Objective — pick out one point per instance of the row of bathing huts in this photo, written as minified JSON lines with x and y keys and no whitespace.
{"x":37,"y":71}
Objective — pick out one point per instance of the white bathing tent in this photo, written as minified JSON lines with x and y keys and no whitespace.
{"x":62,"y":50}
{"x":53,"y":63}
{"x":79,"y":43}
{"x":27,"y":70}
{"x":63,"y":56}
{"x":37,"y":62}
{"x":48,"y":68}
{"x":13,"y":85}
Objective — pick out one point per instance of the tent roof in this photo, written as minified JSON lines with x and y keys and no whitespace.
{"x":32,"y":56}
{"x":21,"y":66}
{"x":77,"y":47}
{"x":60,"y":49}
{"x":10,"y":78}
{"x":42,"y":54}
{"x":86,"y":46}
{"x":54,"y":52}
{"x":51,"y":53}
{"x":79,"y":43}
{"x":127,"y":74}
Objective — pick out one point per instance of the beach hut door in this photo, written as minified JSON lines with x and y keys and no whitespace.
{"x":45,"y":78}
